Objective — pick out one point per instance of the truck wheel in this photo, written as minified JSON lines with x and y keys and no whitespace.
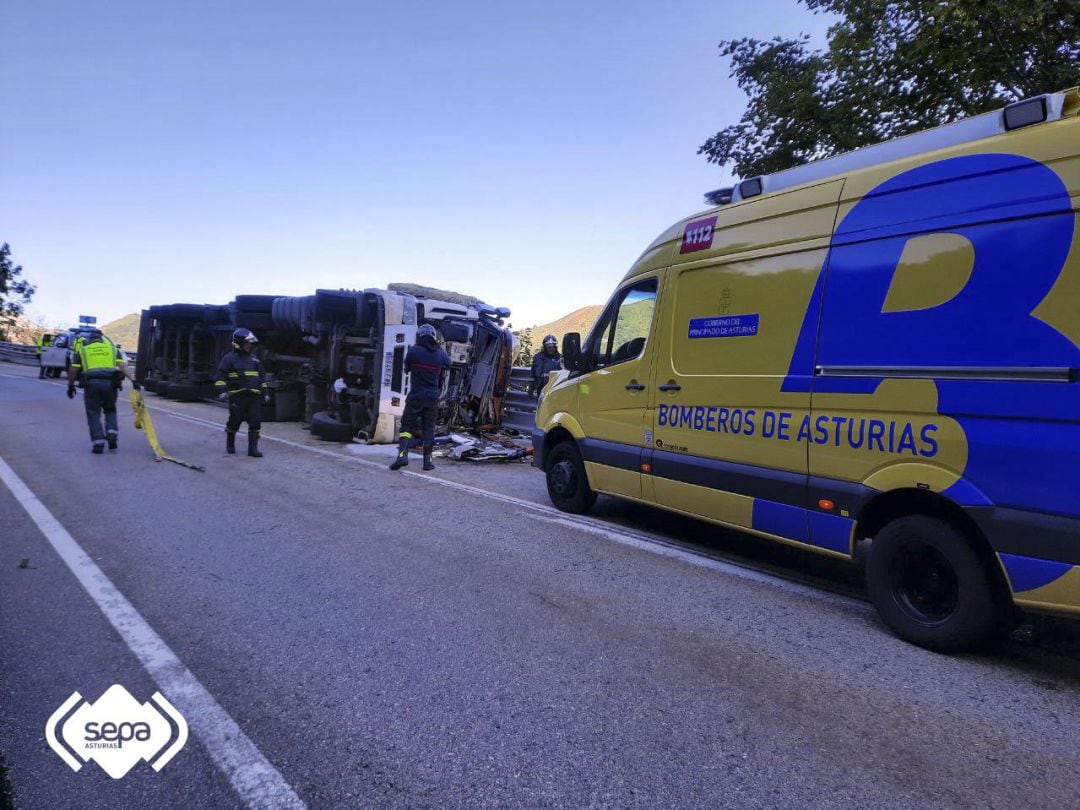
{"x":186,"y":311}
{"x":255,"y":321}
{"x":567,"y":485}
{"x":185,"y":392}
{"x":932,"y":588}
{"x":255,"y":303}
{"x":327,"y":427}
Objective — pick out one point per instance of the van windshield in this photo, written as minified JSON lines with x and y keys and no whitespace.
{"x":625,"y":328}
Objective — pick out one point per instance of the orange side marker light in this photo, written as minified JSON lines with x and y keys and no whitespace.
{"x":826,"y":504}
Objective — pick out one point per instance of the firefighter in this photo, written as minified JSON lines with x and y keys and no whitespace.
{"x":241,"y":381}
{"x":102,"y":371}
{"x":425,"y":362}
{"x":544,"y":362}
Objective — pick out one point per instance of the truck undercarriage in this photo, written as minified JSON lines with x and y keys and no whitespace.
{"x":336,"y":359}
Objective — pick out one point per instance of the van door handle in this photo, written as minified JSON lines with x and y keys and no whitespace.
{"x":670,"y":387}
{"x":635,"y":387}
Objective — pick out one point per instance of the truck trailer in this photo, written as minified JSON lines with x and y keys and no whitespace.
{"x":335,"y":359}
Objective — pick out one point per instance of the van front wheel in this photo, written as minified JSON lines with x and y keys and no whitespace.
{"x":568,"y":487}
{"x":931,"y":586}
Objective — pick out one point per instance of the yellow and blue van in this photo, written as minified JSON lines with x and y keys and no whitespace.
{"x":879,"y":346}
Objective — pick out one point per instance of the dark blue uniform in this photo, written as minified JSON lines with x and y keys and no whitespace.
{"x":243,"y":377}
{"x":425,"y":362}
{"x":542,"y":366}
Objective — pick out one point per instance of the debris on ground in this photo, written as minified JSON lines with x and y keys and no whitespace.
{"x":482,"y":447}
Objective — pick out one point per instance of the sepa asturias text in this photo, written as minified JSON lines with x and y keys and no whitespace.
{"x":875,"y":435}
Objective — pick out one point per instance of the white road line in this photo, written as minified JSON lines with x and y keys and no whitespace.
{"x":702,"y":561}
{"x":257,"y":782}
{"x":642,"y":541}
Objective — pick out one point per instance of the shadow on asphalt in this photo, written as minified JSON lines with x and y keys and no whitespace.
{"x":1040,"y":645}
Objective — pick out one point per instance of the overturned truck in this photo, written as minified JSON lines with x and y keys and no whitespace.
{"x":336,"y":359}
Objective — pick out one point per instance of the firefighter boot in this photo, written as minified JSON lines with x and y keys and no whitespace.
{"x":402,"y":459}
{"x":253,"y":444}
{"x":230,"y":441}
{"x":428,"y":465}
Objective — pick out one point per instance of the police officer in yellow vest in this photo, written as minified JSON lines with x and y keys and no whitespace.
{"x":42,"y":342}
{"x":102,"y":369}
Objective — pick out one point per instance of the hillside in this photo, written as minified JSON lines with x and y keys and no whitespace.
{"x":124,"y":330}
{"x":20,"y":330}
{"x":580,"y":320}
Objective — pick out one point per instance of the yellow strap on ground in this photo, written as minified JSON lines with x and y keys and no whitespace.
{"x":143,"y":423}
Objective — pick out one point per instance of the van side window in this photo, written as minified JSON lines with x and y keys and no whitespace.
{"x":621,"y":335}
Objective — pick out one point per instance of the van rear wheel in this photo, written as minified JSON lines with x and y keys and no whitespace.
{"x":932,"y":588}
{"x":567,"y":484}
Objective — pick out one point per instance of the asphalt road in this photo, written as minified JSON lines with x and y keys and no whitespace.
{"x":448,"y":640}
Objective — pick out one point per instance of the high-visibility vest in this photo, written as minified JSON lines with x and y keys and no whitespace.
{"x":97,"y":359}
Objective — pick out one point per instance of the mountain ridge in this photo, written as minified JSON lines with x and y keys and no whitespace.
{"x":580,"y":320}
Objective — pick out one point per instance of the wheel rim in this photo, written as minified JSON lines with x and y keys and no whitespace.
{"x":925,"y":585}
{"x":563,"y":478}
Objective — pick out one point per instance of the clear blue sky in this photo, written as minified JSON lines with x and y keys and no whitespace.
{"x":525,"y":152}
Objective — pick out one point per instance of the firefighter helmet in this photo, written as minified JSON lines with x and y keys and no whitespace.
{"x":243,"y":336}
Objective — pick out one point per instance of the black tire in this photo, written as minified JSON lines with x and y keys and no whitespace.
{"x":254,"y":303}
{"x":185,"y":392}
{"x":327,"y":427}
{"x":186,"y":311}
{"x":567,"y":484}
{"x":257,"y":322}
{"x":215,"y":315}
{"x":931,"y":586}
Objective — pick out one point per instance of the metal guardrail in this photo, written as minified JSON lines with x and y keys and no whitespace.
{"x":26,"y":354}
{"x":18,"y":353}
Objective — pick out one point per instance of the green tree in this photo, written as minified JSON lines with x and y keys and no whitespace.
{"x":14,"y":291}
{"x":891,"y":67}
{"x":526,"y":350}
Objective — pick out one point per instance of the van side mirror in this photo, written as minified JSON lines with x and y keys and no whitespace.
{"x":571,"y":351}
